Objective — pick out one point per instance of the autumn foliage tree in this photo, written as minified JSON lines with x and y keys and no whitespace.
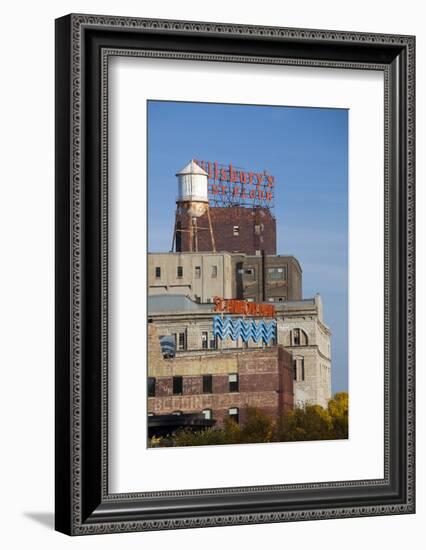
{"x":305,"y":424}
{"x":338,"y":409}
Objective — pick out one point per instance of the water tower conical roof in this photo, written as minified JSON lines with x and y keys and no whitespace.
{"x":192,"y":168}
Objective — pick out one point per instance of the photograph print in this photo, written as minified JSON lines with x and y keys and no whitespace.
{"x":247,"y":274}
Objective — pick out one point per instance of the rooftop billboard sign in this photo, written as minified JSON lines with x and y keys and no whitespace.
{"x":229,"y":185}
{"x":243,"y":307}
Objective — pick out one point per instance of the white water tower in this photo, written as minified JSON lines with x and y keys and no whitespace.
{"x":192,"y":203}
{"x":193,"y":189}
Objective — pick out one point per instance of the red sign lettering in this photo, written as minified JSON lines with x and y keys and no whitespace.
{"x":243,"y":307}
{"x":229,"y":185}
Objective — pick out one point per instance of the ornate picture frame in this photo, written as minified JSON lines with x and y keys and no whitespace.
{"x":84,"y":45}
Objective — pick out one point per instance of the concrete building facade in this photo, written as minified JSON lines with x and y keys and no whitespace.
{"x":267,"y":278}
{"x":201,"y":276}
{"x":302,"y":331}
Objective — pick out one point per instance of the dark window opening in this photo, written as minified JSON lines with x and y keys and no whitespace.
{"x":158,"y":272}
{"x":296,"y":337}
{"x":179,"y":271}
{"x":204,"y":340}
{"x":177,"y":385}
{"x":233,"y":382}
{"x":151,"y":387}
{"x":207,"y":383}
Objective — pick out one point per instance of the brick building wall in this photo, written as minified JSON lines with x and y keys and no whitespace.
{"x":300,"y":330}
{"x":235,"y":229}
{"x":265,"y":381}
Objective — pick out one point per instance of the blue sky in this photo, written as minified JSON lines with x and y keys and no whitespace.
{"x":306,"y":149}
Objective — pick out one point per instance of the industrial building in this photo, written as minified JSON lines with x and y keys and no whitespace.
{"x":218,"y":384}
{"x":300,"y":330}
{"x":235,"y":229}
{"x":223,"y":360}
{"x":202,"y":276}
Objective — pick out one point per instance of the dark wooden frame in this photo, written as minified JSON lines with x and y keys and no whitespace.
{"x":83,"y":46}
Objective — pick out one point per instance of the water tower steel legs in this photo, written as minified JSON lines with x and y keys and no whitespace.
{"x":193,"y":232}
{"x":211,"y":230}
{"x":174,"y":232}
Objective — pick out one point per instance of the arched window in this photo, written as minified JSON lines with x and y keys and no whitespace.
{"x":298,"y":337}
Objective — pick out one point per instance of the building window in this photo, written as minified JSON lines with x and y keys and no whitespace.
{"x":197,"y":271}
{"x":277,"y":273}
{"x":258,"y":253}
{"x":177,"y":413}
{"x":158,"y":272}
{"x":233,"y":382}
{"x":299,"y":369}
{"x":234,"y":414}
{"x":236,"y":230}
{"x":177,"y":385}
{"x":180,"y":340}
{"x":249,"y":273}
{"x":257,"y":229}
{"x":179,"y":272}
{"x":208,"y":340}
{"x":298,"y":337}
{"x":207,"y":383}
{"x":207,"y":414}
{"x":204,"y":339}
{"x":151,"y":387}
{"x":214,"y":271}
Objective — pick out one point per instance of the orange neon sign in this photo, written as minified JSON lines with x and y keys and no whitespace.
{"x":224,"y":305}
